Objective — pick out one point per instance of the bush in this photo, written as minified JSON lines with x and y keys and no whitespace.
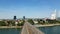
{"x":2,"y":23}
{"x":20,"y":24}
{"x":30,"y":21}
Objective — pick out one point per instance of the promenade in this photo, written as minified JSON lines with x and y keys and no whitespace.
{"x":45,"y":25}
{"x":10,"y":26}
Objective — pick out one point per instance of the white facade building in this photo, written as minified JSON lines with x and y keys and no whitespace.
{"x":53,"y":16}
{"x":35,"y":21}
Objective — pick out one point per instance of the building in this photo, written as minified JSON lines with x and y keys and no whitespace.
{"x":23,"y":17}
{"x":35,"y":22}
{"x":14,"y":17}
{"x":53,"y":15}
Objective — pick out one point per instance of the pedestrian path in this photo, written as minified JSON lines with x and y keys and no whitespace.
{"x":30,"y":29}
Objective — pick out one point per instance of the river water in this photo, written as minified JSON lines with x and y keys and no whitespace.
{"x":46,"y":30}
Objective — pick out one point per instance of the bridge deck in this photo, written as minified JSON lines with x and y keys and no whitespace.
{"x":30,"y":29}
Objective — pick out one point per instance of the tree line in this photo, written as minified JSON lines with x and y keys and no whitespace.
{"x":31,"y":21}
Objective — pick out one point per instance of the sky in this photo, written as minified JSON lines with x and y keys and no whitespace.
{"x":28,"y":8}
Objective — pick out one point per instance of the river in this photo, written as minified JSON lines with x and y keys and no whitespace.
{"x":46,"y":30}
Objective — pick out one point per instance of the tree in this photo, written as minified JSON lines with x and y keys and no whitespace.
{"x":51,"y":21}
{"x":40,"y":21}
{"x":22,"y":23}
{"x":13,"y":23}
{"x":30,"y":21}
{"x":2,"y":23}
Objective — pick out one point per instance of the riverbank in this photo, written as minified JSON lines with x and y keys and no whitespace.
{"x":45,"y":25}
{"x":10,"y":26}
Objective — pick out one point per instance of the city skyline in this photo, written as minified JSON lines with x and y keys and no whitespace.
{"x":28,"y":8}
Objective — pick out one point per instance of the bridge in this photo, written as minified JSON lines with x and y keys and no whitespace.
{"x":30,"y":29}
